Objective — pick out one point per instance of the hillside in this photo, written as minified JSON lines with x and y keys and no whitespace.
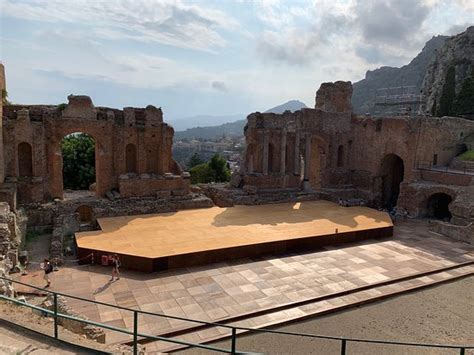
{"x":292,"y":105}
{"x":181,"y":124}
{"x":228,"y":129}
{"x":363,"y":96}
{"x":449,"y":81}
{"x":235,"y":128}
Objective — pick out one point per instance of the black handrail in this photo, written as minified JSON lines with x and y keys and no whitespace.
{"x":234,"y":329}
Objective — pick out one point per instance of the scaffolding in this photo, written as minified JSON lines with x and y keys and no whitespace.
{"x":399,"y":101}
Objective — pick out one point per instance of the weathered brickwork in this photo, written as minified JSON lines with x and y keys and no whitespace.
{"x":388,"y":161}
{"x":133,"y":144}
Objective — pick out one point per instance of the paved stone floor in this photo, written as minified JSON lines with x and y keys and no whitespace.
{"x":219,"y":291}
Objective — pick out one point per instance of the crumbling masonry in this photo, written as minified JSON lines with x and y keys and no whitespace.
{"x":407,"y":162}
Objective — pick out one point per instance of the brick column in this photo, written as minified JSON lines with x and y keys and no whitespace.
{"x":296,"y":165}
{"x":266,"y":138}
{"x":283,"y":152}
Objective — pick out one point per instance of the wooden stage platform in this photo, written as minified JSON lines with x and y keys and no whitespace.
{"x":196,"y":237}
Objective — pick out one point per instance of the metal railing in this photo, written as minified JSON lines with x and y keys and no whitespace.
{"x":234,"y":330}
{"x":428,"y":165}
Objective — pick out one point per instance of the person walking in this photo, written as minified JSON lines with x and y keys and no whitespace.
{"x":115,"y":267}
{"x":47,"y":268}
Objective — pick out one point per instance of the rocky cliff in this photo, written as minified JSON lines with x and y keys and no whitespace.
{"x":449,"y":81}
{"x":363,"y":97}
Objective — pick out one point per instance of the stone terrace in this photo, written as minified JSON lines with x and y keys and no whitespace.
{"x":226,"y":290}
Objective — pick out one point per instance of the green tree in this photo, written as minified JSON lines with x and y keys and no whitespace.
{"x":219,"y":167}
{"x":5,"y":98}
{"x":201,"y":174}
{"x":194,"y":160}
{"x":464,"y":103}
{"x":448,"y":95}
{"x":78,"y":152}
{"x":216,"y":170}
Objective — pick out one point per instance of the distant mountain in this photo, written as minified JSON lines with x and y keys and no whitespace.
{"x":229,"y":129}
{"x":235,"y":128}
{"x":292,"y":105}
{"x":180,"y":124}
{"x":364,"y":91}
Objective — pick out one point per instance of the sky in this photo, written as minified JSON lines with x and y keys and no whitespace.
{"x":209,"y":57}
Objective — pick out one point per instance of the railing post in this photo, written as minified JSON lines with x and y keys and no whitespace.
{"x":343,"y":346}
{"x":234,"y":340}
{"x":135,"y":332}
{"x":55,"y":309}
{"x":463,"y":351}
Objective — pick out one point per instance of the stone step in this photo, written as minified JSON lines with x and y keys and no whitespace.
{"x":312,"y":307}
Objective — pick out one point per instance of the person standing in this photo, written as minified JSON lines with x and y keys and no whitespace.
{"x":115,"y":267}
{"x":47,"y":268}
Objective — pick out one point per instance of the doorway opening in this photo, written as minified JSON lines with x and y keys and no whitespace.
{"x":79,"y":165}
{"x":438,"y":206}
{"x":392,"y":172}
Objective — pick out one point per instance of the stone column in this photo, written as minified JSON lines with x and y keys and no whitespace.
{"x":307,"y":157}
{"x":266,"y":138}
{"x":296,"y":165}
{"x":250,"y":164}
{"x":283,"y":152}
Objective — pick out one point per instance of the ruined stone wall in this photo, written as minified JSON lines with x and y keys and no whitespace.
{"x":329,"y":148}
{"x":2,"y":87}
{"x":133,"y":142}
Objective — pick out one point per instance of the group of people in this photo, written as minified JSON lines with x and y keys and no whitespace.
{"x":48,"y":267}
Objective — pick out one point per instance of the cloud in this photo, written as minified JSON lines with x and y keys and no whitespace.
{"x":164,"y":21}
{"x":300,"y":35}
{"x":219,"y":86}
{"x":390,"y":21}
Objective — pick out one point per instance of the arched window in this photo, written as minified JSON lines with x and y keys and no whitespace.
{"x":131,"y":158}
{"x":340,"y":156}
{"x":25,"y":160}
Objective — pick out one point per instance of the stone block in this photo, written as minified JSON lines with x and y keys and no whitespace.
{"x":250,"y":189}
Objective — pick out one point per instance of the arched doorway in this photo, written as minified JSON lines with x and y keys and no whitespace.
{"x":438,"y":206}
{"x":78,"y":151}
{"x":25,"y":160}
{"x":392,"y":173}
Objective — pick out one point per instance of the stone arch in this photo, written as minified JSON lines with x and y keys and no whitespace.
{"x":25,"y":160}
{"x":131,"y":158}
{"x":392,"y":171}
{"x":437,"y":206}
{"x":103,"y":156}
{"x":340,"y":156}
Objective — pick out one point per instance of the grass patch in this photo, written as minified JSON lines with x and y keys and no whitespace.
{"x":469,"y":155}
